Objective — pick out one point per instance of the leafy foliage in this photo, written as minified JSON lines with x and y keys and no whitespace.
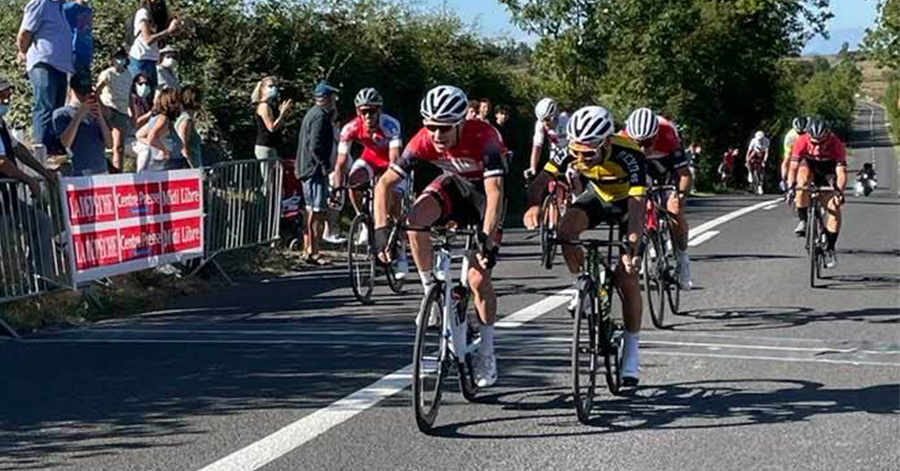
{"x":883,"y":42}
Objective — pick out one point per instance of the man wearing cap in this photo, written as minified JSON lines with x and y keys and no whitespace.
{"x":165,"y":71}
{"x":83,"y":130}
{"x":314,"y":151}
{"x":12,"y":151}
{"x":45,"y":48}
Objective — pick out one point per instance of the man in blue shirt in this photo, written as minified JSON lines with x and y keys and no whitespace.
{"x":45,"y":48}
{"x":83,"y":130}
{"x":81,"y":22}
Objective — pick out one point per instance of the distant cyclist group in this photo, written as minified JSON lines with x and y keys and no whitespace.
{"x":457,"y":167}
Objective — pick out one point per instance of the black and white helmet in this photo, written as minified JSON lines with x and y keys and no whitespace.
{"x":817,"y":128}
{"x":368,"y":97}
{"x":545,"y":109}
{"x":444,"y":104}
{"x":642,"y":124}
{"x":799,"y":124}
{"x":590,"y":125}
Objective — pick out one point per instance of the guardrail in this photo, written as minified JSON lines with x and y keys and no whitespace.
{"x":243,"y":205}
{"x":33,"y":259}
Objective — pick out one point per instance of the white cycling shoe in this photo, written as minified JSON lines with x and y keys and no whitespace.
{"x":485,"y":370}
{"x":630,"y":368}
{"x":401,"y":267}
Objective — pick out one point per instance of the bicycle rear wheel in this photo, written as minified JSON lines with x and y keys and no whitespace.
{"x":548,"y":232}
{"x":429,"y":360}
{"x":361,"y":259}
{"x":654,"y":279}
{"x":584,"y":354}
{"x":671,"y":284}
{"x":465,"y":368}
{"x":611,"y":341}
{"x":390,"y":272}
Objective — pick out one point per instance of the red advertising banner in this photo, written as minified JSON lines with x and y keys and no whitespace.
{"x":123,"y":223}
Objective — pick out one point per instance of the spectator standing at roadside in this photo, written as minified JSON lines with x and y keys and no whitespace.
{"x":472,"y":110}
{"x":151,"y":25}
{"x":501,"y":122}
{"x":269,"y":118}
{"x":484,"y":110}
{"x":165,"y":70}
{"x":141,"y":101}
{"x":12,"y":151}
{"x":81,"y":22}
{"x":191,"y":100}
{"x":314,"y":152}
{"x":165,"y":149}
{"x":83,"y":130}
{"x":45,"y":48}
{"x":114,"y":88}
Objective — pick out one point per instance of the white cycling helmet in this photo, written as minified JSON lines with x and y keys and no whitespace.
{"x":817,"y":128}
{"x":760,"y":135}
{"x":368,"y":97}
{"x":642,"y":124}
{"x":545,"y":109}
{"x":799,"y":124}
{"x":444,"y":104}
{"x":590,"y":125}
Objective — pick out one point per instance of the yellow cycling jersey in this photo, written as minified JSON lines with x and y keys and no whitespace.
{"x":789,"y":139}
{"x":623,"y":172}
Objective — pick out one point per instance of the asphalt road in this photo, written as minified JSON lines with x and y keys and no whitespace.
{"x":761,"y":372}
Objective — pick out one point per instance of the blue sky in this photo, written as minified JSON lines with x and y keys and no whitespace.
{"x":494,"y":20}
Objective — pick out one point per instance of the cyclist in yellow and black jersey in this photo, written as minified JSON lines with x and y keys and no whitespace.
{"x":615,"y":172}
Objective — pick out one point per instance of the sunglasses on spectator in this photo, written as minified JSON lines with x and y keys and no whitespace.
{"x":368,"y":111}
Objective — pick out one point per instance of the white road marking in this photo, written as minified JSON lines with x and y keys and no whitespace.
{"x":771,"y":207}
{"x":218,"y":341}
{"x":786,"y":359}
{"x":702,"y":238}
{"x":283,"y":441}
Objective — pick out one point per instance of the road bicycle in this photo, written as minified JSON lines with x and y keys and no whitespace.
{"x":660,"y":261}
{"x":598,"y":330}
{"x":552,"y":210}
{"x":446,"y":339}
{"x":363,"y":263}
{"x":815,"y":234}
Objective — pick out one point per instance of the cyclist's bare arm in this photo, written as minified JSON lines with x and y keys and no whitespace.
{"x":684,"y":180}
{"x":535,"y":158}
{"x":841,"y":180}
{"x":384,"y":191}
{"x":339,"y":166}
{"x":394,"y":154}
{"x":493,"y":189}
{"x":533,"y":198}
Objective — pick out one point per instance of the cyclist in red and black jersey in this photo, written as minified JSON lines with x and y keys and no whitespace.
{"x":819,"y":157}
{"x":468,"y":190}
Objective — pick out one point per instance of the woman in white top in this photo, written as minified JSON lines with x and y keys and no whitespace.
{"x":151,"y":24}
{"x":114,"y":88}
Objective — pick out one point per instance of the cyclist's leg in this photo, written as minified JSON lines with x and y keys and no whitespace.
{"x":801,"y":199}
{"x":361,"y":173}
{"x":430,"y":207}
{"x":579,"y":217}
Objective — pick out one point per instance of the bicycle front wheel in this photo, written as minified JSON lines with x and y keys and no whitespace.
{"x":654,"y":274}
{"x":429,"y":359}
{"x":812,"y":242}
{"x":390,"y":272}
{"x":361,"y":259}
{"x":548,"y":232}
{"x":584,"y":355}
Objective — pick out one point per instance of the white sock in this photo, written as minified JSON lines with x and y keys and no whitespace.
{"x":487,"y":340}
{"x":427,"y":278}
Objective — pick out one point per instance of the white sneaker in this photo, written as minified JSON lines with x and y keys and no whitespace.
{"x":334,"y":239}
{"x":800,"y":230}
{"x":684,"y":272}
{"x":630,"y":369}
{"x":485,"y":370}
{"x":401,"y":267}
{"x":830,"y":259}
{"x":363,"y":237}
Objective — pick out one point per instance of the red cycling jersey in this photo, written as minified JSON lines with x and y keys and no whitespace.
{"x":376,"y":146}
{"x":667,"y":140}
{"x":476,"y":156}
{"x":832,"y":149}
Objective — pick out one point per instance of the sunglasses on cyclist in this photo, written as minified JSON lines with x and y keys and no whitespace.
{"x":583,"y":154}
{"x":369,"y":111}
{"x":438,"y":127}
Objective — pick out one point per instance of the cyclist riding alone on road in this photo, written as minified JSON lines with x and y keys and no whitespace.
{"x":757,"y":156}
{"x":379,"y":135}
{"x":798,"y":128}
{"x":467,"y":191}
{"x":819,"y":157}
{"x":616,"y":174}
{"x":666,"y":165}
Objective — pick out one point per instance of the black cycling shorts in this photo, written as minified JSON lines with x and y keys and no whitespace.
{"x":603,"y":212}
{"x":462,"y":201}
{"x":665,"y":169}
{"x":824,"y":172}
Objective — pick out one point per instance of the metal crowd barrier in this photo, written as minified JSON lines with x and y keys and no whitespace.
{"x":33,"y":256}
{"x":243,"y":205}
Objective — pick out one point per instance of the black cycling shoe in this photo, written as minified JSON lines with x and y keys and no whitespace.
{"x":630,"y":381}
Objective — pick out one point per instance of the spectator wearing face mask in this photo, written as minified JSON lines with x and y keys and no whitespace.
{"x":165,"y":71}
{"x":83,"y":130}
{"x":151,"y":25}
{"x":114,"y":88}
{"x":141,"y":102}
{"x":270,"y":117}
{"x":165,"y":149}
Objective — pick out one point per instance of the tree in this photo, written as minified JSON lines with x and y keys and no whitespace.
{"x":883,"y":42}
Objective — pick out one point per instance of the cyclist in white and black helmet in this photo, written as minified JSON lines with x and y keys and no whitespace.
{"x":798,"y":128}
{"x":547,"y":129}
{"x":616,"y":174}
{"x":466,"y":157}
{"x":667,"y":164}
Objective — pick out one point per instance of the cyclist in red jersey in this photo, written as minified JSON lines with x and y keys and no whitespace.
{"x":821,"y":158}
{"x":467,"y":155}
{"x":379,"y":135}
{"x":666,"y":165}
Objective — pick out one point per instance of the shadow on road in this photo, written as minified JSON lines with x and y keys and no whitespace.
{"x":679,"y":406}
{"x":773,"y":317}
